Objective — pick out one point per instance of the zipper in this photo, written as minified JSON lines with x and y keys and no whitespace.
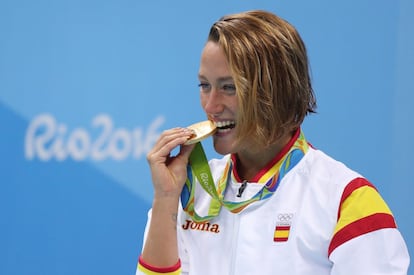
{"x":234,"y":243}
{"x":241,"y":188}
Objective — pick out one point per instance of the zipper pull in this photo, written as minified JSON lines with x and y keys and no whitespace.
{"x":241,"y":188}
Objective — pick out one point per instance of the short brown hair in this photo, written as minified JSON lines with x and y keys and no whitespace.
{"x":269,"y":65}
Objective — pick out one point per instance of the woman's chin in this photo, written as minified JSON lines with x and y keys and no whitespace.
{"x":223,"y":145}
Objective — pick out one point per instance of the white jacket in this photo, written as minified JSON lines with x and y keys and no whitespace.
{"x":323,"y":219}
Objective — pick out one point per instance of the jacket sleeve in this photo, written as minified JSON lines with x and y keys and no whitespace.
{"x":366,"y":239}
{"x":182,"y":248}
{"x":178,"y":269}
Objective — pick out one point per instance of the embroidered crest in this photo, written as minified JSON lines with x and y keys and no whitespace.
{"x":282,"y":228}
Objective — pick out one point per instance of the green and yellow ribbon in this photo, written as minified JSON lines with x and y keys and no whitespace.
{"x":199,"y":170}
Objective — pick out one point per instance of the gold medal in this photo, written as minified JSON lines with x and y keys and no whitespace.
{"x":201,"y":131}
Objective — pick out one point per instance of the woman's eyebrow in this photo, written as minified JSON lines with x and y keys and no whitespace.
{"x":219,"y":80}
{"x":200,"y":76}
{"x":224,"y":79}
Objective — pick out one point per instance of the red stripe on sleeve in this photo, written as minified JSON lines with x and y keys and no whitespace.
{"x":159,"y":269}
{"x":351,"y":187}
{"x":360,"y":227}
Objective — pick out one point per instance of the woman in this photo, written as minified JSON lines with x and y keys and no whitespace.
{"x":278,"y":206}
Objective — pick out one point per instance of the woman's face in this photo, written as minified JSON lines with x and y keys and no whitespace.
{"x":218,"y":96}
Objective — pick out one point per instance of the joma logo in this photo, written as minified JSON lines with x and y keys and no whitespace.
{"x":201,"y":226}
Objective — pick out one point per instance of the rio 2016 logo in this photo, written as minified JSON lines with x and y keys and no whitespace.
{"x":46,"y":139}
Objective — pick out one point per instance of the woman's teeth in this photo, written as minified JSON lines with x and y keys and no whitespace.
{"x":225,"y":125}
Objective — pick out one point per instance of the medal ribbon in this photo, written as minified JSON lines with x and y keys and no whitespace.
{"x":199,"y":169}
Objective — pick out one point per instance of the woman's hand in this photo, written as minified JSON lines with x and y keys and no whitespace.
{"x":168,"y":177}
{"x":169,"y":172}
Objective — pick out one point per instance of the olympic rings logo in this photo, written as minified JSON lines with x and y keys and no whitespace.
{"x":285,"y":217}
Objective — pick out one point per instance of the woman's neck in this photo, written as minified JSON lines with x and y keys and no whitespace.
{"x":250,"y":162}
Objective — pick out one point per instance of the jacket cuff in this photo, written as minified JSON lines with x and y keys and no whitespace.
{"x":148,"y":269}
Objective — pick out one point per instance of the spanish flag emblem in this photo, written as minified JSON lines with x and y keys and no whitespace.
{"x":282,"y":228}
{"x":281,"y":233}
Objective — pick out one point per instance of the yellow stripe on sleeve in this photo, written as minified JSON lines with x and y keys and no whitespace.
{"x":150,"y":272}
{"x":362,"y":202}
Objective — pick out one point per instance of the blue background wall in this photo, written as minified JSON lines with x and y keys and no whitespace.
{"x":86,"y":86}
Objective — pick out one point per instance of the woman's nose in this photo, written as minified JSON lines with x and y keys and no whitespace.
{"x":213,"y":103}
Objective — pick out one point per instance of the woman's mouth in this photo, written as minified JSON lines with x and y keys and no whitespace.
{"x":224,"y":126}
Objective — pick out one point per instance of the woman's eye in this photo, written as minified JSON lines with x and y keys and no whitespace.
{"x":229,"y":88}
{"x":204,"y":86}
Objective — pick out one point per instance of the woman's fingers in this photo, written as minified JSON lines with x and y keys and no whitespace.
{"x":169,"y":172}
{"x":167,"y":141}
